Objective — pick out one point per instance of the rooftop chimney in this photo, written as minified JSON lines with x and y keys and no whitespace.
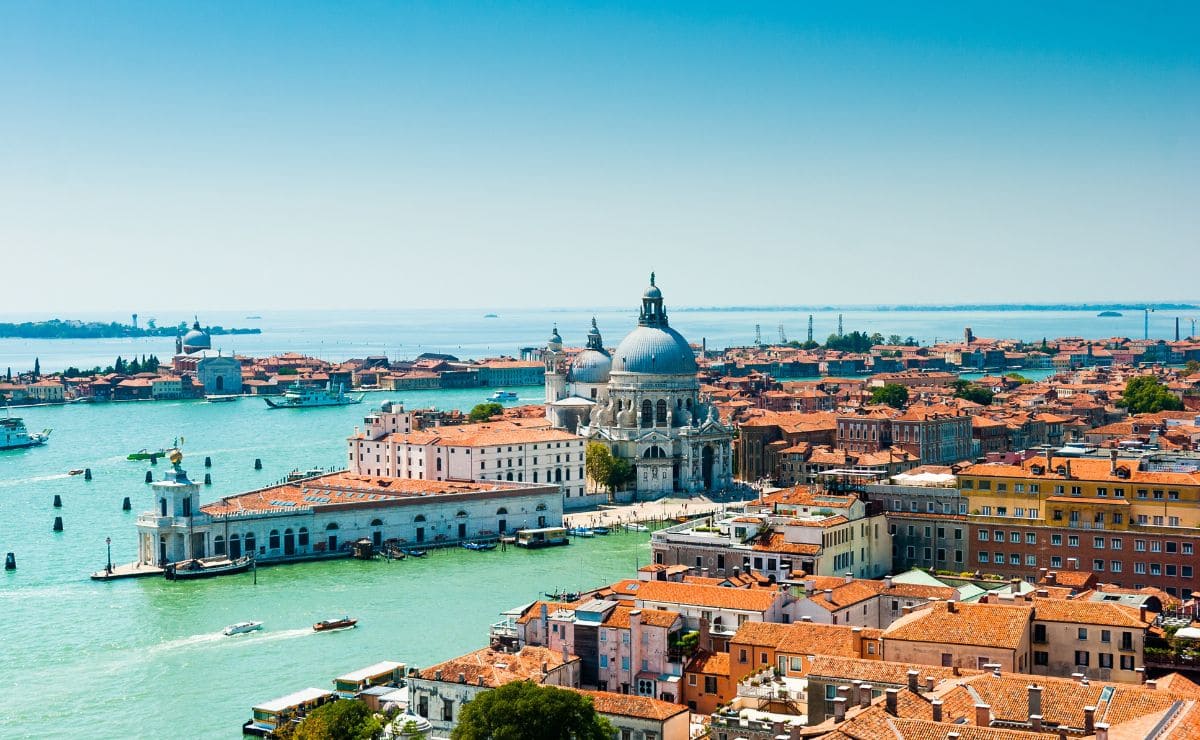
{"x":1101,"y":731}
{"x":479,"y":680}
{"x":1035,"y":700}
{"x":936,"y":705}
{"x":1141,"y":674}
{"x":1112,"y":462}
{"x":705,"y":641}
{"x":891,"y":697}
{"x":1151,"y":683}
{"x":843,"y":691}
{"x":906,"y":609}
{"x":913,"y":677}
{"x":437,"y":675}
{"x":983,"y":715}
{"x":1052,"y":577}
{"x":849,"y":577}
{"x":951,"y":606}
{"x":1077,"y":677}
{"x":1035,"y":722}
{"x":806,"y":618}
{"x":839,"y":709}
{"x":1142,"y":613}
{"x":929,"y":683}
{"x":864,"y":695}
{"x":462,"y":677}
{"x":1089,"y":720}
{"x":1042,"y":574}
{"x":829,"y":595}
{"x":1044,"y":593}
{"x":887,"y":581}
{"x":856,"y":641}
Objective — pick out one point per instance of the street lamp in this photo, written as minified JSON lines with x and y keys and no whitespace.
{"x":108,"y":543}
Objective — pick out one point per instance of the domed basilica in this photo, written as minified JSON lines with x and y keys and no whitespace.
{"x":643,"y":402}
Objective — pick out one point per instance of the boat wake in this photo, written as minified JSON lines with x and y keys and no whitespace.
{"x":35,"y":479}
{"x":217,"y":638}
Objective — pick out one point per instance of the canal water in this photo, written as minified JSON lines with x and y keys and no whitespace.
{"x":145,"y":658}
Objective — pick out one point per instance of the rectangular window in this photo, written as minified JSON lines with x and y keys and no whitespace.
{"x":1115,"y":566}
{"x":983,"y":556}
{"x":1187,"y":548}
{"x":1097,"y":565}
{"x":1055,"y":561}
{"x":1185,"y":571}
{"x":1031,"y":560}
{"x":1082,"y":658}
{"x":1105,"y":659}
{"x":983,"y":535}
{"x":1056,"y":539}
{"x":1082,"y":633}
{"x":1031,"y":538}
{"x":1098,"y":543}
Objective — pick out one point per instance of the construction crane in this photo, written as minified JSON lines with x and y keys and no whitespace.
{"x":782,"y":335}
{"x":758,"y":335}
{"x":810,"y":327}
{"x":1146,"y":322}
{"x":840,"y":325}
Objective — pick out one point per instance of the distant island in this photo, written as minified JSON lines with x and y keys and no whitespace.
{"x":59,"y":329}
{"x":1109,"y":314}
{"x":960,"y":307}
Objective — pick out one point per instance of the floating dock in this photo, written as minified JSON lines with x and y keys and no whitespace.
{"x":128,"y":570}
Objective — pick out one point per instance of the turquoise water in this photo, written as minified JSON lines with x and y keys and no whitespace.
{"x":141,"y":658}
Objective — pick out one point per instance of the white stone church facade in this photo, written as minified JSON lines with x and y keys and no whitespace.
{"x":643,"y":402}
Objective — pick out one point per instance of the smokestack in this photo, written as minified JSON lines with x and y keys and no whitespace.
{"x":983,"y":715}
{"x":829,"y":595}
{"x":1035,"y":700}
{"x":913,"y":677}
{"x":891,"y":697}
{"x":936,"y":705}
{"x":1089,"y":720}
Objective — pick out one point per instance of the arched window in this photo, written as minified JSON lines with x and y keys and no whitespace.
{"x":660,"y":412}
{"x":647,"y":413}
{"x":535,"y":480}
{"x":558,"y":475}
{"x":331,"y":526}
{"x":540,"y":507}
{"x":273,"y":539}
{"x":419,"y":518}
{"x":461,"y":514}
{"x":376,"y":522}
{"x":654,"y":452}
{"x":302,"y":539}
{"x":501,"y":510}
{"x":218,"y":545}
{"x":251,"y":543}
{"x":508,"y":477}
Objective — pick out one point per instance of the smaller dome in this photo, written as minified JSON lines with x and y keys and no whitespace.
{"x":555,"y":338}
{"x":591,"y":366}
{"x":652,"y":292}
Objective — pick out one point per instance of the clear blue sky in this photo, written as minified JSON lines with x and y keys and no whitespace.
{"x":211,"y":155}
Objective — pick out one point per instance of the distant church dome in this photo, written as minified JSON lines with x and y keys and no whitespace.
{"x":654,"y":348}
{"x":196,"y":339}
{"x":593,"y":364}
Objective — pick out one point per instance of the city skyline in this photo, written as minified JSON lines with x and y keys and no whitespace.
{"x":234,"y":157}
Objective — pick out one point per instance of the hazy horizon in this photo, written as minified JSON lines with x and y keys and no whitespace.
{"x":247,"y":156}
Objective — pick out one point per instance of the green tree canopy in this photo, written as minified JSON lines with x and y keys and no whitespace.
{"x":893,"y":394}
{"x":1146,"y":395}
{"x":523,"y":710}
{"x":972,"y":392}
{"x":606,"y":470}
{"x":344,"y":719}
{"x":485,"y":411}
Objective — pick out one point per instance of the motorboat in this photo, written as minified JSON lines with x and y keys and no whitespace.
{"x":298,"y":474}
{"x":299,"y":396}
{"x":214,"y":398}
{"x":413,"y":553}
{"x":635,"y":527}
{"x":326,"y":625}
{"x":503,"y":396}
{"x":601,"y":530}
{"x":76,"y":471}
{"x":582,"y":532}
{"x":14,"y":435}
{"x":187,"y":570}
{"x":144,"y":454}
{"x":562,"y":595}
{"x":241,"y":628}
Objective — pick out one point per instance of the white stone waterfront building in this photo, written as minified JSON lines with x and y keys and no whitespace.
{"x":643,"y":401}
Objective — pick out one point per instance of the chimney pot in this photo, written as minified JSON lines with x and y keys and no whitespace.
{"x":806,"y":618}
{"x":936,"y":705}
{"x":951,"y":606}
{"x":843,"y":691}
{"x":839,"y":709}
{"x":1101,"y":731}
{"x":983,"y":715}
{"x":1089,"y":720}
{"x":929,"y":683}
{"x":437,"y":675}
{"x":913,"y":677}
{"x":864,"y":695}
{"x":1151,"y":683}
{"x":891,"y":700}
{"x":1035,"y":722}
{"x":1035,"y":700}
{"x":462,"y":677}
{"x":1052,"y":577}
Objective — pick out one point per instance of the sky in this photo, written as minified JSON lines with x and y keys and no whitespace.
{"x":297,"y":155}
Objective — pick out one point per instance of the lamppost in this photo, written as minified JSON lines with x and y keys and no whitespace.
{"x":108,"y":544}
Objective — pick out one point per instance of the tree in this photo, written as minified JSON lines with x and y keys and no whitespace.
{"x":1192,"y":367}
{"x":344,"y":719}
{"x":893,"y":394}
{"x":523,"y":710}
{"x":485,"y":411}
{"x":1018,"y":378}
{"x":972,"y":392}
{"x":1146,"y":395}
{"x":37,"y":367}
{"x":599,"y":463}
{"x":622,"y":474}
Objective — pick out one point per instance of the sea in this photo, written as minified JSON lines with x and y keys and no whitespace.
{"x":340,"y":335}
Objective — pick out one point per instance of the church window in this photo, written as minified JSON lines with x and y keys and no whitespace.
{"x":660,"y":412}
{"x":647,"y":413}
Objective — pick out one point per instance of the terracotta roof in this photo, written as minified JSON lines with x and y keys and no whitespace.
{"x":717,"y":597}
{"x":1087,"y":612}
{"x":497,"y":668}
{"x":879,"y":671}
{"x":711,"y":663}
{"x":802,"y":638}
{"x":631,"y":705}
{"x":776,"y":542}
{"x":988,"y":625}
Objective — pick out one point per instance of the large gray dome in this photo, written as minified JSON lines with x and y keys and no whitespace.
{"x":591,"y":366}
{"x":196,"y":339}
{"x":654,"y":350}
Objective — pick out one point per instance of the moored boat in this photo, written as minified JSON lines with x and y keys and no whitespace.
{"x":413,"y":553}
{"x":144,"y":454}
{"x":563,"y":595}
{"x":187,"y":570}
{"x":635,"y":527}
{"x":241,"y":628}
{"x":214,"y":398}
{"x":581,"y":532}
{"x":600,"y":530}
{"x":326,"y":625}
{"x":479,"y":546}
